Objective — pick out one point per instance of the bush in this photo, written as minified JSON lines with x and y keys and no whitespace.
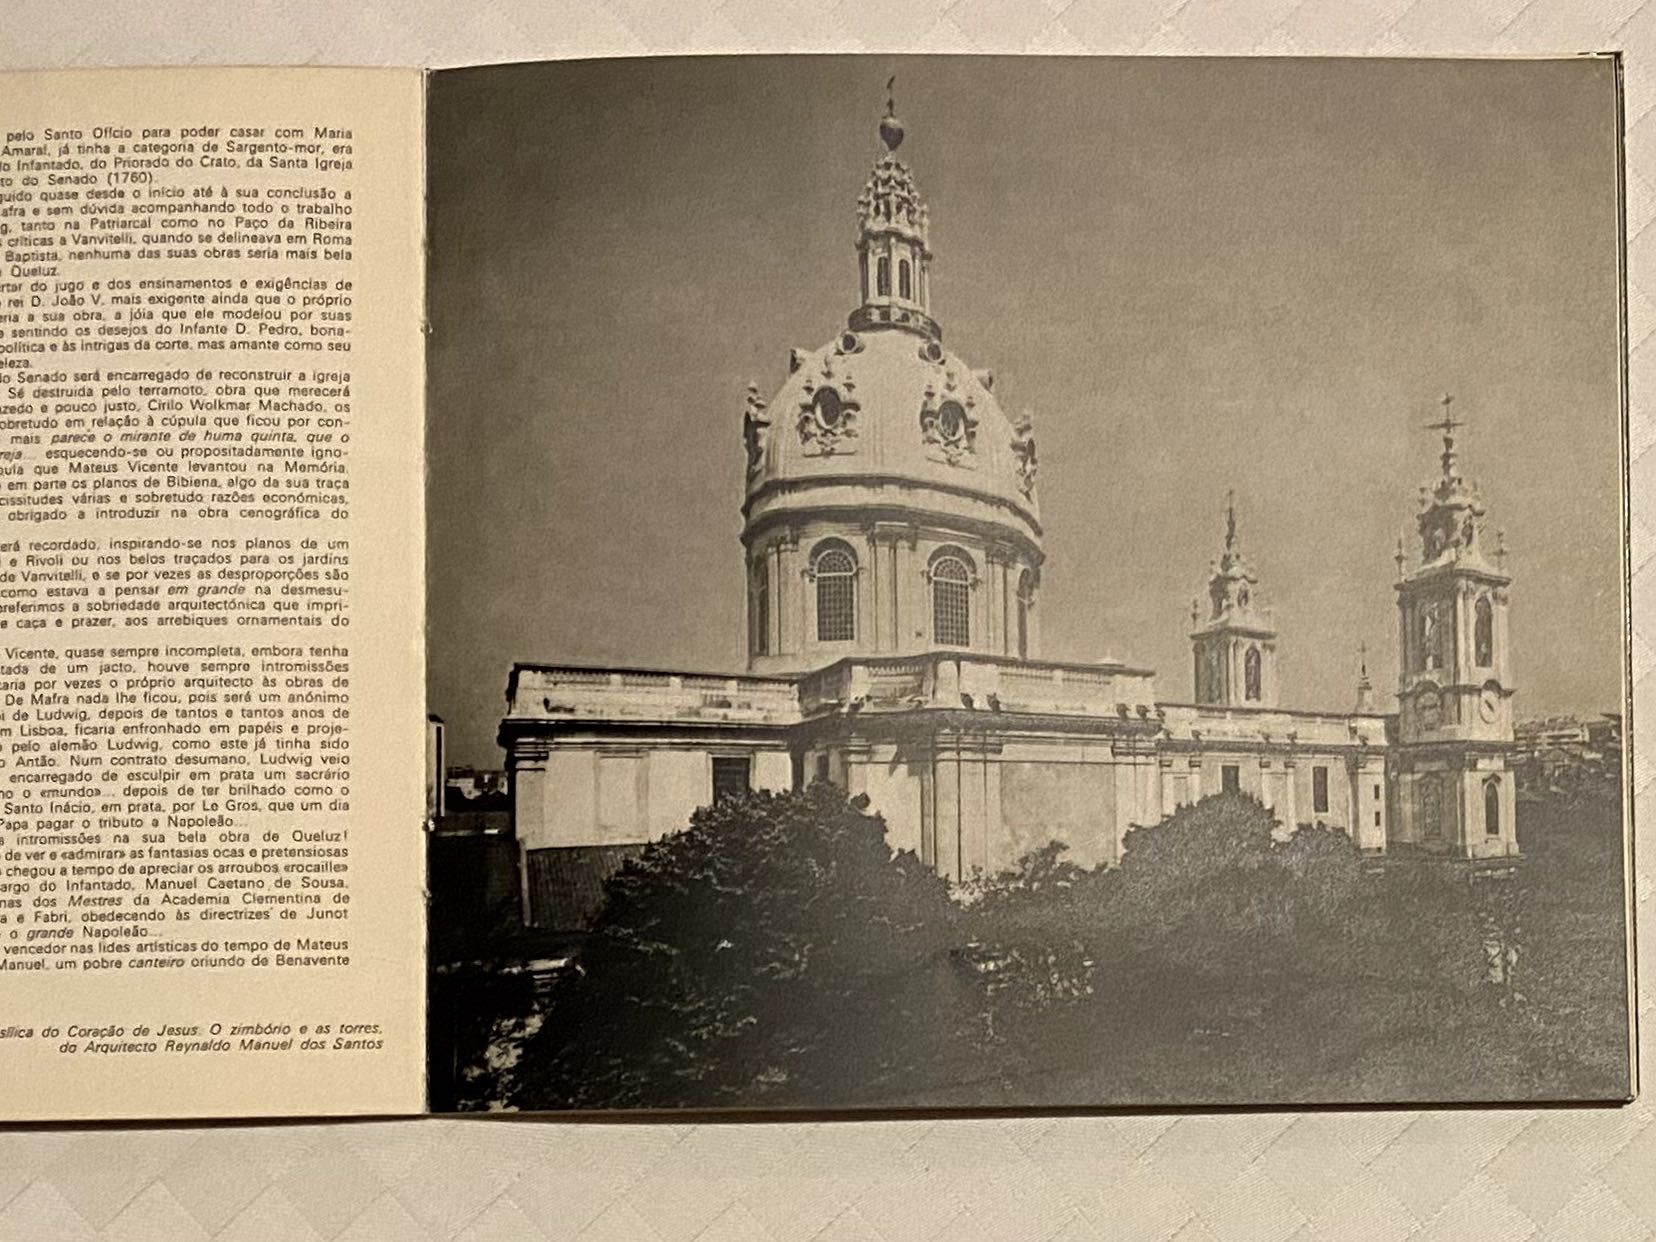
{"x":774,"y":953}
{"x":777,"y":954}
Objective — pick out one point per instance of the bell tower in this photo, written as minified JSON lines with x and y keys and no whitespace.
{"x":1454,"y":695}
{"x":1234,"y":647}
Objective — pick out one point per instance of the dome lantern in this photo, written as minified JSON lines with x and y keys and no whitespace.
{"x":893,"y":255}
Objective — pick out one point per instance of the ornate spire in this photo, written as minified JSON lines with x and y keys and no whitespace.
{"x":1230,"y":527}
{"x":1232,"y":586}
{"x":1448,"y":427}
{"x":1451,"y":511}
{"x":893,"y":255}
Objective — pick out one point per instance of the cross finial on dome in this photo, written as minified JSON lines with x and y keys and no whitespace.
{"x":1230,"y":519}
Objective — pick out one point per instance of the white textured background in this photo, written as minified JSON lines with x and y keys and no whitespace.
{"x":1567,"y":1174}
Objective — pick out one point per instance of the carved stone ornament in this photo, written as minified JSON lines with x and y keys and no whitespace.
{"x":1023,"y":449}
{"x":947,"y":421}
{"x":755,"y":428}
{"x":828,"y":415}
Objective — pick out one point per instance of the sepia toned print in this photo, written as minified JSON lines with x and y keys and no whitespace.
{"x":910,"y":774}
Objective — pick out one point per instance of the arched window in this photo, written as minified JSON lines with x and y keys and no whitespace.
{"x":835,"y":570}
{"x":1251,"y":675}
{"x":882,"y":277}
{"x":903,"y":288}
{"x":951,"y":582}
{"x":1483,"y":633}
{"x":1026,"y":601}
{"x":760,"y":611}
{"x":1492,"y":807}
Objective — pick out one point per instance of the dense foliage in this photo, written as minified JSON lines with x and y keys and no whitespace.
{"x":777,"y":954}
{"x":769,"y":954}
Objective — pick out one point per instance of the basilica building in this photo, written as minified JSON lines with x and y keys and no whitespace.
{"x":892,"y":539}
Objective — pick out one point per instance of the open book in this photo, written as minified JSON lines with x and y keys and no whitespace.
{"x":519,"y":587}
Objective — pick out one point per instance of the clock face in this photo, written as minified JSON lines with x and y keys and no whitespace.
{"x":1489,"y":706}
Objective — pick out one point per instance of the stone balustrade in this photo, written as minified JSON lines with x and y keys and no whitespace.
{"x":552,"y":692}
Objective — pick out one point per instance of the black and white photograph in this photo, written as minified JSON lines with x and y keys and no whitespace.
{"x":1023,"y":583}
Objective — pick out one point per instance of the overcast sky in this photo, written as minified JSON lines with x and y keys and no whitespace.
{"x":1196,"y":274}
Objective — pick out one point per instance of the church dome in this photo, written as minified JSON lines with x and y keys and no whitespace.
{"x":890,"y":501}
{"x":889,"y":416}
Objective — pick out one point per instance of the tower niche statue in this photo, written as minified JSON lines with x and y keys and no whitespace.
{"x":1454,"y":725}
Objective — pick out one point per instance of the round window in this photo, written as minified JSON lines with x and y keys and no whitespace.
{"x":951,"y":420}
{"x":829,"y":408}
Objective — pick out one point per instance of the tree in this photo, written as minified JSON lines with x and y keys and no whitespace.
{"x":774,"y":953}
{"x":1201,"y":893}
{"x":1571,"y":960}
{"x":1178,"y":975}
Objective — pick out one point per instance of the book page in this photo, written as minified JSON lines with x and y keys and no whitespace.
{"x":1027,"y":582}
{"x":210,"y":593}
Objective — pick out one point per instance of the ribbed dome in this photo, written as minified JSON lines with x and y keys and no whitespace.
{"x":877,"y":408}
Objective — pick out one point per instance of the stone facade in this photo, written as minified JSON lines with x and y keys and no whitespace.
{"x":893,"y":547}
